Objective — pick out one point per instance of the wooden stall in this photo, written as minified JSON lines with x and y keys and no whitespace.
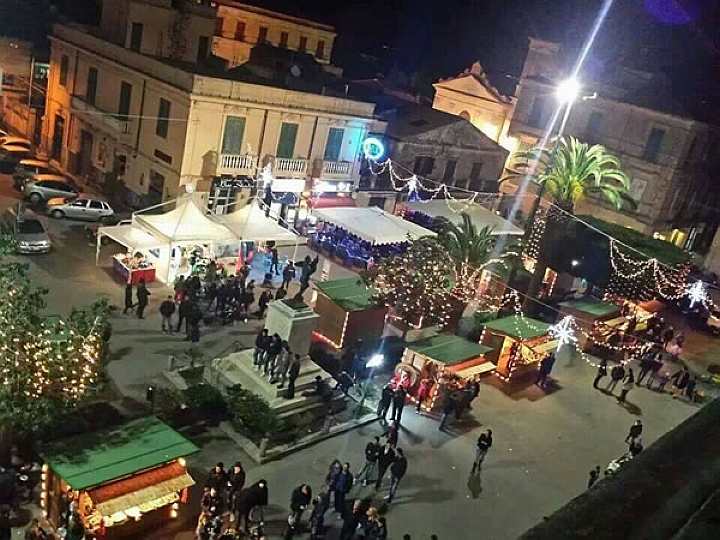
{"x":445,"y":361}
{"x":518,"y":344}
{"x":121,"y":481}
{"x":587,"y":312}
{"x":347,"y":312}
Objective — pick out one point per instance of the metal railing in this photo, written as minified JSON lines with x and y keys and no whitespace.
{"x":237,"y":163}
{"x":289,"y":166}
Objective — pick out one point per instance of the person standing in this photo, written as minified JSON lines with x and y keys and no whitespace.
{"x":235,"y":483}
{"x":594,"y":476}
{"x":288,"y":275}
{"x":128,"y":298}
{"x":278,"y":371}
{"x":635,"y":431}
{"x":263,"y":301}
{"x":142,"y":297}
{"x":447,"y":410}
{"x":617,"y":374}
{"x":397,"y":471}
{"x":293,"y":373}
{"x":274,"y":261}
{"x":343,"y":484}
{"x":273,"y":352}
{"x":317,"y":516}
{"x":646,"y":362}
{"x":398,"y":404}
{"x":385,"y":459}
{"x":183,"y":311}
{"x":484,"y":443}
{"x":372,"y":452}
{"x":422,"y":393}
{"x":627,"y":386}
{"x":167,"y":308}
{"x":193,"y":324}
{"x":680,"y":380}
{"x":299,"y":501}
{"x":601,"y":372}
{"x":392,"y":434}
{"x":655,"y":368}
{"x":308,"y":269}
{"x":385,"y":399}
{"x":351,"y":520}
{"x":546,"y":365}
{"x":262,"y":343}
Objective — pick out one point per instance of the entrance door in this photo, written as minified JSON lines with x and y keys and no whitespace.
{"x":57,"y":138}
{"x":156,"y":188}
{"x":86,"y":146}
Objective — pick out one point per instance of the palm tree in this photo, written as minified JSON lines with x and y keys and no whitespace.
{"x":568,"y":172}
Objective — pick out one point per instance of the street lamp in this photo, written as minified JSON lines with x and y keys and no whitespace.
{"x":568,"y":90}
{"x":376,"y":360}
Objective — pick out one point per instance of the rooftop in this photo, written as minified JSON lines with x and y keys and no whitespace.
{"x":351,"y":294}
{"x":517,"y":327}
{"x":591,"y":306}
{"x":449,"y":349}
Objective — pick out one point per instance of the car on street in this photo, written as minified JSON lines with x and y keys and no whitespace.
{"x":83,"y":207}
{"x":10,"y":140}
{"x":43,"y":187}
{"x":30,"y":236}
{"x":27,"y":168}
{"x":11,"y":155}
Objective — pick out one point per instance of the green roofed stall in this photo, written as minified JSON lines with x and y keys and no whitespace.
{"x":449,"y":350}
{"x":348,"y":312}
{"x":595,"y":308}
{"x":519,"y":328}
{"x":97,"y":458}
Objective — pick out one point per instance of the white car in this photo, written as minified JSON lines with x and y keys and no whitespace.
{"x":83,"y":207}
{"x":9,"y":140}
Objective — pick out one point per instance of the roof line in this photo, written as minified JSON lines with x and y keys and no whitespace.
{"x":278,"y":15}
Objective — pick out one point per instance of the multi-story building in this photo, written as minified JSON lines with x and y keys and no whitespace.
{"x":665,"y":148}
{"x":241,"y":27}
{"x":142,"y":96}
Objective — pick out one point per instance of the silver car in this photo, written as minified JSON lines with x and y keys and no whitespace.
{"x":27,"y":168}
{"x":81,"y":208}
{"x":31,"y":236}
{"x":43,"y":187}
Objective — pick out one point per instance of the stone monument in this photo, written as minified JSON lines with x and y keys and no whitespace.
{"x":294,"y":321}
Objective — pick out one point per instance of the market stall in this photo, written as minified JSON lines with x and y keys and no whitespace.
{"x":425,"y":213}
{"x":519,"y":344}
{"x":133,"y":268}
{"x":141,"y":257}
{"x":587,"y":313}
{"x":446,"y":362}
{"x":120,"y":481}
{"x":347,"y":312}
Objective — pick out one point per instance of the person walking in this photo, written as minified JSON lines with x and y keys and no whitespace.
{"x":262,"y":343}
{"x":646,"y":362}
{"x":274,"y":261}
{"x":384,"y":404}
{"x":601,"y":372}
{"x":617,"y":374}
{"x":142,"y":297}
{"x":308,"y":269}
{"x":167,"y":308}
{"x":343,"y":484}
{"x":680,"y":380}
{"x":655,"y":368}
{"x":288,"y":274}
{"x":628,"y":385}
{"x":293,"y":373}
{"x":484,"y":443}
{"x":128,"y":298}
{"x":193,"y":324}
{"x":393,"y":433}
{"x":447,"y":410}
{"x":546,"y":365}
{"x":263,"y":301}
{"x":372,"y":452}
{"x":183,"y":311}
{"x":385,"y":459}
{"x":594,"y":476}
{"x":398,"y":468}
{"x":398,"y":404}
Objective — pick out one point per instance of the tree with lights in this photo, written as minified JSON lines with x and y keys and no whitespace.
{"x":567,"y":172}
{"x":47,"y":366}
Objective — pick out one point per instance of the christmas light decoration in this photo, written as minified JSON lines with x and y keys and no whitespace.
{"x":373,"y":148}
{"x":564,"y":332}
{"x":696,"y":293}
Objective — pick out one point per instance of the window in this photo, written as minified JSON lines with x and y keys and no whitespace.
{"x":125,"y":97}
{"x":334,"y":144}
{"x":654,"y":144}
{"x":283,"y":39}
{"x":302,"y":47}
{"x":80,"y":203}
{"x":161,"y":127}
{"x":64,"y":62}
{"x":91,"y":89}
{"x":219,"y":26}
{"x":449,"y":173}
{"x":423,"y":165}
{"x":57,"y":140}
{"x":97,"y":205}
{"x":286,"y":144}
{"x":594,"y":127}
{"x":162,"y":156}
{"x":8,"y":79}
{"x":240,"y":31}
{"x":136,"y":32}
{"x":262,"y":34}
{"x":475,"y":173}
{"x":120,"y":164}
{"x":233,"y":135}
{"x":537,"y":112}
{"x":320,"y":51}
{"x":203,"y":49}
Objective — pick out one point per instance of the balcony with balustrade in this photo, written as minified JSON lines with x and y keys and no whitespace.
{"x":237,"y":164}
{"x":290,"y":168}
{"x":332,"y":170}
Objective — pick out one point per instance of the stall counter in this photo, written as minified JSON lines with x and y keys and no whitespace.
{"x":132,"y":275}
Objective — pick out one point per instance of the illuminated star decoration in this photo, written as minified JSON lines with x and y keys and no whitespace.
{"x":696,"y":293}
{"x":564,"y":331}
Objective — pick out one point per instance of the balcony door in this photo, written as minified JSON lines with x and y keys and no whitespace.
{"x":86,"y":146}
{"x":334,"y":144}
{"x":233,"y":135}
{"x":286,"y":143}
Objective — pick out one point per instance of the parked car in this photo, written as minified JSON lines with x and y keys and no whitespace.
{"x":82,"y":207}
{"x":31,"y":236}
{"x":10,"y":140}
{"x":10,"y":156}
{"x":43,"y":187}
{"x":27,"y":168}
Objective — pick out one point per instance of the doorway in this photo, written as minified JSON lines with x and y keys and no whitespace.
{"x":86,"y":146}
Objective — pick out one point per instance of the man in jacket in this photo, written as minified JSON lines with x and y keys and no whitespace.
{"x":398,"y":404}
{"x":372,"y":452}
{"x":299,"y":501}
{"x":397,"y":471}
{"x":293,"y":373}
{"x":288,"y":274}
{"x":384,"y":403}
{"x":385,"y":459}
{"x":167,"y":308}
{"x":142,"y":297}
{"x":484,"y":443}
{"x":235,"y":483}
{"x":272,"y":353}
{"x":262,"y":342}
{"x":343,"y":484}
{"x":183,"y":311}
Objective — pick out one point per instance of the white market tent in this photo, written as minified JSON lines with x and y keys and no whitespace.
{"x":372,"y":224}
{"x":481,"y":217}
{"x":134,"y":238}
{"x":251,"y":223}
{"x":186,"y":223}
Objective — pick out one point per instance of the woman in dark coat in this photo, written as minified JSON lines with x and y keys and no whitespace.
{"x":249,"y":498}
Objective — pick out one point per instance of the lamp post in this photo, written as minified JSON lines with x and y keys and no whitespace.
{"x":374,"y":362}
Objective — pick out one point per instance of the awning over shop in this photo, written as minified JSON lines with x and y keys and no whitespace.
{"x":332,"y":202}
{"x":452,"y":211}
{"x":186,"y":223}
{"x":147,"y":498}
{"x":132,"y":237}
{"x":373,"y":224}
{"x":250,"y":223}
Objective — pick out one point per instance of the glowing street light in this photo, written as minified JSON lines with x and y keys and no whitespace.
{"x":568,"y":90}
{"x":376,"y":360}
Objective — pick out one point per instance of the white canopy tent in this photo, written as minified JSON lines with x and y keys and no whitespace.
{"x":452,"y":211}
{"x":132,"y":237}
{"x":372,"y":224}
{"x":251,"y":223}
{"x":187,"y":223}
